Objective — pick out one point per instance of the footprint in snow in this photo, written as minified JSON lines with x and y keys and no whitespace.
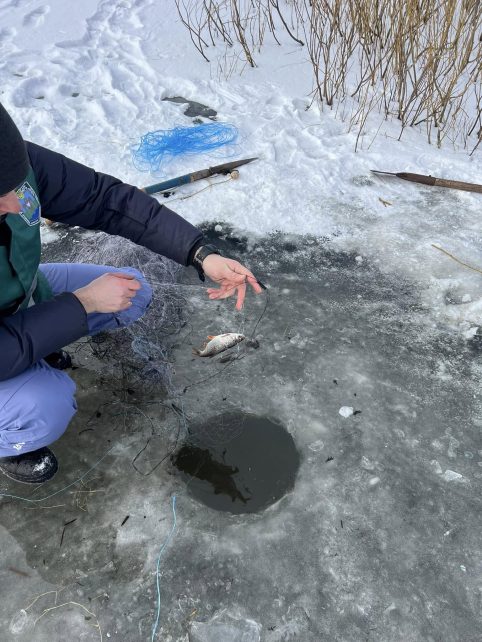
{"x":36,"y":17}
{"x":7,"y":34}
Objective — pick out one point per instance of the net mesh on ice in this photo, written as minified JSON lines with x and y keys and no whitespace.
{"x":141,"y":350}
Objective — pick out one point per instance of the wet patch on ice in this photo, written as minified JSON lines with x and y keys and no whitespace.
{"x":238,"y":462}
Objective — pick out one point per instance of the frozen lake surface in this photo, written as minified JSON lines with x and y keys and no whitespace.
{"x":379,"y":538}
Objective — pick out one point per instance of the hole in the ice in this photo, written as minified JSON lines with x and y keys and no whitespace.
{"x":238,"y":462}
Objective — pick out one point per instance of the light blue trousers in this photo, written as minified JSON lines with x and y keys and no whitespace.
{"x":37,"y":405}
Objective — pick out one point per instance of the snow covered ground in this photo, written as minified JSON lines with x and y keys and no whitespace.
{"x":382,"y":546}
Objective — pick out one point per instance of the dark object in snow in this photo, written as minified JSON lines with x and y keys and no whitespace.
{"x":125,"y":520}
{"x":330,"y":458}
{"x":18,"y":571}
{"x":194,"y":108}
{"x":63,"y":530}
{"x":432,"y":181}
{"x":85,"y":430}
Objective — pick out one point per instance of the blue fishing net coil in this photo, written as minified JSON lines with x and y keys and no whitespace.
{"x":163,"y":145}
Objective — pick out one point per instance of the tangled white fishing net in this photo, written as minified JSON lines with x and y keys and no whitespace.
{"x":142,"y":350}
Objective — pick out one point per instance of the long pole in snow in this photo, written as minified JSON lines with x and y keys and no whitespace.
{"x":226,"y":168}
{"x":433,"y":181}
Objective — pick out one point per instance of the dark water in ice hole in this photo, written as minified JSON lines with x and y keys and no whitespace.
{"x":238,"y":462}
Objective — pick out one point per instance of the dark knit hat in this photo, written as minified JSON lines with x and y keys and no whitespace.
{"x":14,"y":162}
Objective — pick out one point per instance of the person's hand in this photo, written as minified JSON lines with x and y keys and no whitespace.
{"x":231,"y":276}
{"x":111,"y":292}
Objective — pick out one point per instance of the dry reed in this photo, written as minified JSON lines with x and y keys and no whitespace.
{"x":419,"y":62}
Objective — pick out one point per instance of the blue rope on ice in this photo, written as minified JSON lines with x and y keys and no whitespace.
{"x":168,"y":539}
{"x":165,"y":144}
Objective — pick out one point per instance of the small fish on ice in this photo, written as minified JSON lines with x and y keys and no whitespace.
{"x":219,"y":343}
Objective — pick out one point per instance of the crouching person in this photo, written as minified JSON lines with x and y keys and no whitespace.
{"x":44,"y":307}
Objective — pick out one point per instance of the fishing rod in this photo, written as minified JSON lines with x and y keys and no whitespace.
{"x":225,"y":168}
{"x":433,"y":181}
{"x":185,"y":179}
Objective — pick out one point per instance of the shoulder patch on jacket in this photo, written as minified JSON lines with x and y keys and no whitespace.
{"x":30,"y":204}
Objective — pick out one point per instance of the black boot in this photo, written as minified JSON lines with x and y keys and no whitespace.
{"x":60,"y":360}
{"x":34,"y":467}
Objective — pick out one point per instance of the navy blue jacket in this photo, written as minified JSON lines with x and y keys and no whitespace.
{"x":74,"y":194}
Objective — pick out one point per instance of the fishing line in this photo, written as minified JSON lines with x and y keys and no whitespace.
{"x":161,"y":551}
{"x":182,"y":417}
{"x":230,"y":291}
{"x":130,"y":406}
{"x":238,"y":357}
{"x":166,"y":456}
{"x":164,"y":545}
{"x":252,"y":337}
{"x":57,"y":492}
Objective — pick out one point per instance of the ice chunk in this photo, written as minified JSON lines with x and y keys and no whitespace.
{"x":224,"y":627}
{"x":451,"y":475}
{"x":345,"y":411}
{"x":367,"y":464}
{"x":471,"y":332}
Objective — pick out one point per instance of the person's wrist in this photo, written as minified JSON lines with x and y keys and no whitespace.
{"x":210,"y":260}
{"x":202,"y":253}
{"x":85,"y":299}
